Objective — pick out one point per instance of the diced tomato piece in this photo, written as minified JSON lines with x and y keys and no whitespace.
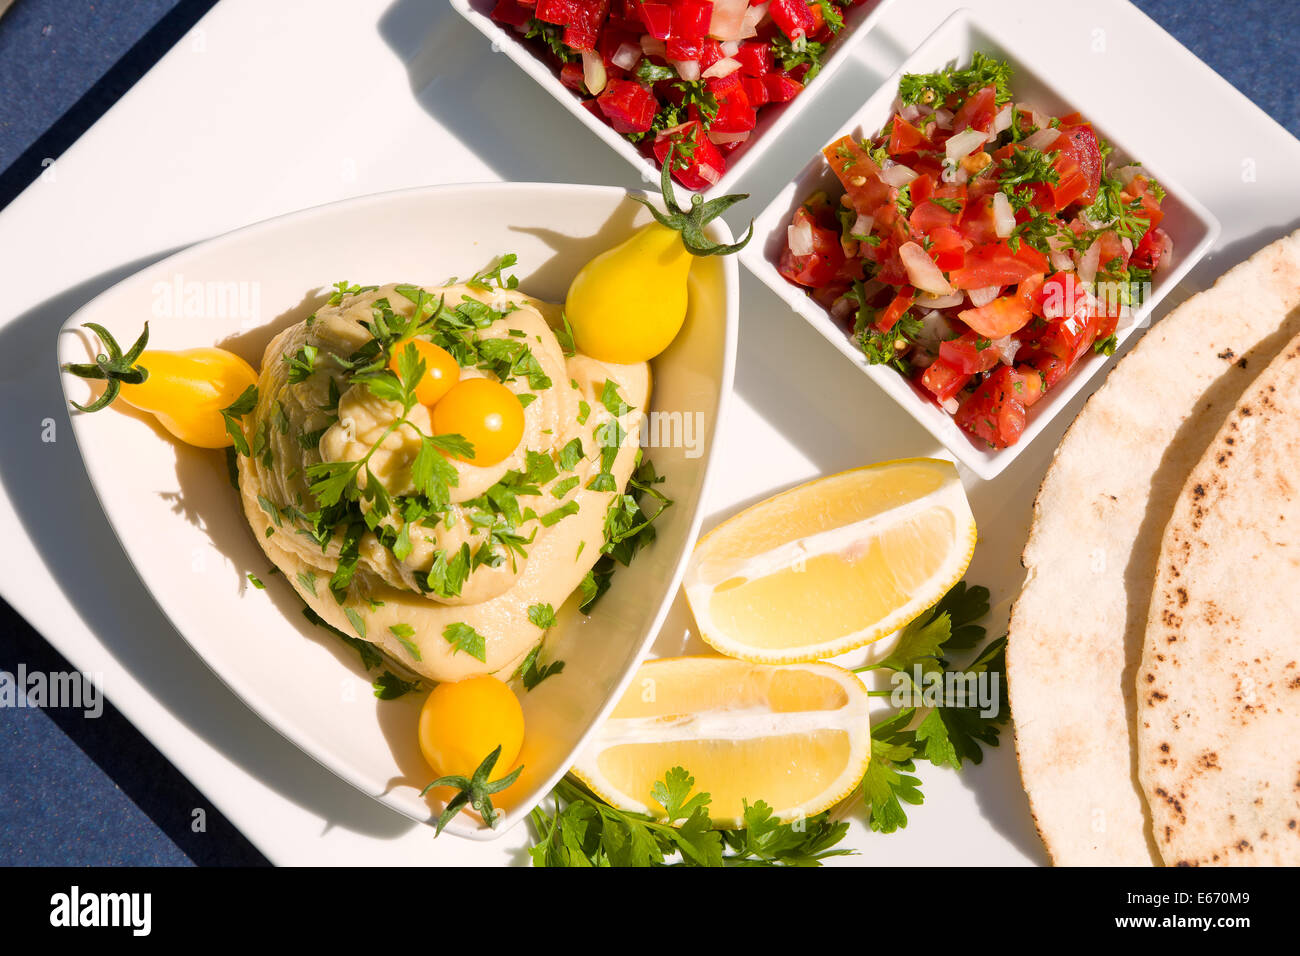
{"x":683,"y":49}
{"x":948,"y":248}
{"x":970,"y":353}
{"x":755,"y":91}
{"x":512,"y":13}
{"x":859,"y":174}
{"x":977,"y":112}
{"x":995,"y":263}
{"x":928,"y":216}
{"x":781,"y":87}
{"x":819,"y":266}
{"x":702,"y":166}
{"x":1001,"y":317}
{"x":1068,"y":340}
{"x":1063,"y":296}
{"x":793,"y":17}
{"x":922,"y":188}
{"x":994,"y":413}
{"x":1080,"y":144}
{"x":571,"y":76}
{"x":735,"y":115}
{"x":755,"y":58}
{"x":943,"y":380}
{"x":894,"y":311}
{"x":1147,"y":253}
{"x":629,"y":106}
{"x":1027,"y":384}
{"x":905,"y":138}
{"x":690,"y":18}
{"x":657,"y":18}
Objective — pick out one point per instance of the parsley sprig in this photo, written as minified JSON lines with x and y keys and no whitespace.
{"x":947,"y":735}
{"x":582,"y":830}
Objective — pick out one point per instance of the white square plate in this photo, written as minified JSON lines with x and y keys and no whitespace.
{"x":1191,"y":227}
{"x":182,"y":527}
{"x":773,"y":120}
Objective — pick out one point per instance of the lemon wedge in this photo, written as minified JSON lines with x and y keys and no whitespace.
{"x":833,"y":564}
{"x":796,"y":736}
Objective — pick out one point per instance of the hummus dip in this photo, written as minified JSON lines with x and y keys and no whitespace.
{"x":406,"y":568}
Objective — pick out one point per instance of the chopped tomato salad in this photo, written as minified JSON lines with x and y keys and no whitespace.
{"x":980,"y":247}
{"x":694,"y":73}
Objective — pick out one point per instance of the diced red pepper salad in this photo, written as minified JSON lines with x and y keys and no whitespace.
{"x":691,"y":72}
{"x":980,"y":247}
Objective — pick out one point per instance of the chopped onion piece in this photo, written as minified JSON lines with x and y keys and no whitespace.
{"x":896,"y":174}
{"x":724,"y":67}
{"x":593,"y":72}
{"x":626,"y":56}
{"x":653,"y":46}
{"x":1126,"y":174}
{"x":1058,"y":255}
{"x":716,"y":137}
{"x":982,"y":297}
{"x":954,"y":173}
{"x":943,"y":118}
{"x":862,"y":225}
{"x":1040,"y":120}
{"x":688,"y":70}
{"x":1088,"y":262}
{"x":1127,"y":245}
{"x":925,"y":300}
{"x":1004,"y":218}
{"x":951,"y":406}
{"x":709,"y":174}
{"x":1040,"y":139}
{"x":911,"y":113}
{"x":922,"y":271}
{"x":728,"y":19}
{"x":752,"y":18}
{"x":1003,"y":120}
{"x":800,"y":238}
{"x":1007,"y":347}
{"x":964,"y":143}
{"x":731,"y":48}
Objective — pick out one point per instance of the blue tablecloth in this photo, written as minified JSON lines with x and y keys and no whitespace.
{"x":77,"y":791}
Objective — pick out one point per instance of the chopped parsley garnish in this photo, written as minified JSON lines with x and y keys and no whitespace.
{"x":582,"y":830}
{"x":931,"y":89}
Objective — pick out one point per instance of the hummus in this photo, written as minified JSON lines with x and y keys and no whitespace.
{"x":491,"y":542}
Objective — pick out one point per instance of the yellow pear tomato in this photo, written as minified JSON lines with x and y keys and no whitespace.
{"x":484,"y":412}
{"x":462,"y":722}
{"x":441,"y":372}
{"x":628,"y":304}
{"x":186,"y":391}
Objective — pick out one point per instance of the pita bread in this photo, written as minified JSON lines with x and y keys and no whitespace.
{"x":1077,"y":628}
{"x":1218,"y":728}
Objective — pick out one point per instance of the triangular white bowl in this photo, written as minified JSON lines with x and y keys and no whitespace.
{"x":179,"y":520}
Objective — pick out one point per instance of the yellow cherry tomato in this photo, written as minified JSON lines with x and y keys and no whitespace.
{"x":186,"y":391}
{"x":628,"y":304}
{"x":441,"y":370}
{"x":462,"y":722}
{"x":484,"y":412}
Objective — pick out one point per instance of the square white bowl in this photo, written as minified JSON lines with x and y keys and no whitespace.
{"x":181,"y":525}
{"x":1191,"y":227}
{"x":772,"y":120}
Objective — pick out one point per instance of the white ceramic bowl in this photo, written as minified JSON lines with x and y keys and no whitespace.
{"x":180,"y":523}
{"x":772,"y":120}
{"x":1192,"y":228}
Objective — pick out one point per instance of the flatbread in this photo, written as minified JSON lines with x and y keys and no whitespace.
{"x":1077,"y":628}
{"x":1218,"y":690}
